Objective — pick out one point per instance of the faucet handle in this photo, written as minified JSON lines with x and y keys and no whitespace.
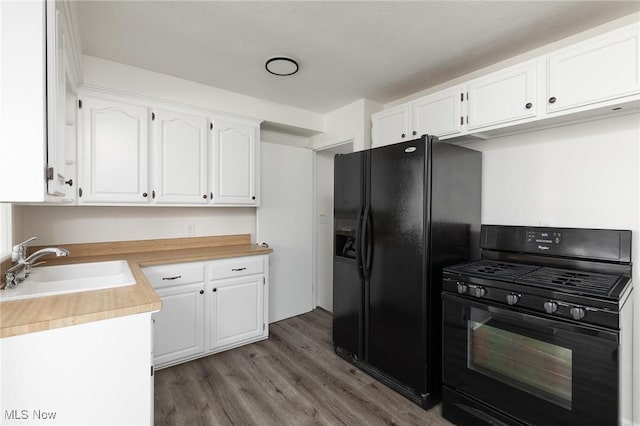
{"x":19,"y":250}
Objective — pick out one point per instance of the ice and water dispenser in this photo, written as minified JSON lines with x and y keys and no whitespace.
{"x":345,"y":240}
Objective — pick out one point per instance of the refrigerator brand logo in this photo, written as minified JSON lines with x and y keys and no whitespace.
{"x":410,"y":149}
{"x":543,"y":247}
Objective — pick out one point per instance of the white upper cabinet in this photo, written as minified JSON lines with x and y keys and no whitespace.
{"x":132,"y":151}
{"x":56,"y":103}
{"x":594,"y":78}
{"x":113,"y":154}
{"x":179,"y":158}
{"x":438,"y":114}
{"x":504,"y":96}
{"x":390,"y":126}
{"x":34,"y":55}
{"x":598,"y":70}
{"x":234,"y":163}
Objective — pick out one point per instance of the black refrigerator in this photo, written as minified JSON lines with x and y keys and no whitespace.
{"x":402,"y":212}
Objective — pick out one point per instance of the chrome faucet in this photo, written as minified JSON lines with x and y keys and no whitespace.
{"x":21,"y":270}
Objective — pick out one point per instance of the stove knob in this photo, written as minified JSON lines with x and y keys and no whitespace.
{"x":478,"y":291}
{"x":512,"y":298}
{"x":462,"y":288}
{"x":550,"y":307}
{"x":577,"y":313}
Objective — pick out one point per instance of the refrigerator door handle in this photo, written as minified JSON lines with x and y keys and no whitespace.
{"x":367,"y":243}
{"x":359,"y":263}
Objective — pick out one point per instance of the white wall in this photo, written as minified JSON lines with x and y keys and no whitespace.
{"x":6,"y":231}
{"x":284,"y":138}
{"x":582,"y":175}
{"x":112,"y":75}
{"x":351,"y":122}
{"x":79,"y":224}
{"x":324,"y":230}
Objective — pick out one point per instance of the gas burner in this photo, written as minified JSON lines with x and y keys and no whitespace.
{"x":571,"y":281}
{"x":493,"y":269}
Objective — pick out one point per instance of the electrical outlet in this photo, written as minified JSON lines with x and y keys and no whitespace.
{"x":190,"y":230}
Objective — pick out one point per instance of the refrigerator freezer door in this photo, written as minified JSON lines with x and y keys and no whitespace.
{"x":396,"y":316}
{"x":348,"y":297}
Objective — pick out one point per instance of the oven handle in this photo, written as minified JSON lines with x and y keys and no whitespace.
{"x":551,"y":326}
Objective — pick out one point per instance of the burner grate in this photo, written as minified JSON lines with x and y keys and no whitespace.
{"x":571,"y":281}
{"x":492,"y":269}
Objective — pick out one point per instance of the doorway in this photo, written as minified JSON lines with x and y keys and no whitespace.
{"x":324,"y":222}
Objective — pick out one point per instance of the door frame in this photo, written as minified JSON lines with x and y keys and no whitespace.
{"x":314,"y":249}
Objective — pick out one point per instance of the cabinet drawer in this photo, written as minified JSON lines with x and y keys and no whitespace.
{"x":170,"y":275}
{"x":236,"y":267}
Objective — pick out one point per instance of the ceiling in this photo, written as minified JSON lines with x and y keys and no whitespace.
{"x":381,"y":50}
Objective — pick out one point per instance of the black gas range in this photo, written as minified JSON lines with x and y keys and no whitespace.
{"x":539,"y":330}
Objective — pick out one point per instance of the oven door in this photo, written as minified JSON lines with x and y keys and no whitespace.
{"x":536,"y":369}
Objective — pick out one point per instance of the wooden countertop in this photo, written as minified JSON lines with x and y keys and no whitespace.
{"x":44,"y":313}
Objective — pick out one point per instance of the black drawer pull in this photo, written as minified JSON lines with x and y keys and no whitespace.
{"x":238,"y":269}
{"x":172,"y":278}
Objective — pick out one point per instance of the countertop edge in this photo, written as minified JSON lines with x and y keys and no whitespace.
{"x":18,"y":317}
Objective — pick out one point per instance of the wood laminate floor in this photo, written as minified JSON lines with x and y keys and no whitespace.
{"x":293,"y":378}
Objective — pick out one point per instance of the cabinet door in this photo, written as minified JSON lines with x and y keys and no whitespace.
{"x":438,"y":114}
{"x":113,"y":152}
{"x":503,"y":96}
{"x":598,"y":70}
{"x":179,"y":326}
{"x":234,"y":163}
{"x":390,"y":126}
{"x":56,"y":103}
{"x":179,"y":158}
{"x":235,"y":310}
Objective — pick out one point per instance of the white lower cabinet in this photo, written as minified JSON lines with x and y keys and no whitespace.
{"x":180,"y":324}
{"x":87,"y":374}
{"x":199,"y":318}
{"x":235,"y":310}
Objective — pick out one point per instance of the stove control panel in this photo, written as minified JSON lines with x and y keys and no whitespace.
{"x":522,"y":301}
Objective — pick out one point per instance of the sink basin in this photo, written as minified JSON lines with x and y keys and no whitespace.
{"x":62,"y":279}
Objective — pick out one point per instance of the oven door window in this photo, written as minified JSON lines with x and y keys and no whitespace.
{"x":540,"y":368}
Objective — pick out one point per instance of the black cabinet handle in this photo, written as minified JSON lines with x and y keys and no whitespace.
{"x":201,"y":291}
{"x":253,"y":198}
{"x":552,"y":100}
{"x":403,"y":135}
{"x":211,"y":195}
{"x":414,"y":133}
{"x":214,"y":290}
{"x":69,"y":182}
{"x":171,"y":278}
{"x":238,"y":269}
{"x":153,"y":194}
{"x":204,"y":196}
{"x":144,"y":194}
{"x":528,"y":105}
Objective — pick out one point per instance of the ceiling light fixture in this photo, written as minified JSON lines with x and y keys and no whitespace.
{"x":281,"y":65}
